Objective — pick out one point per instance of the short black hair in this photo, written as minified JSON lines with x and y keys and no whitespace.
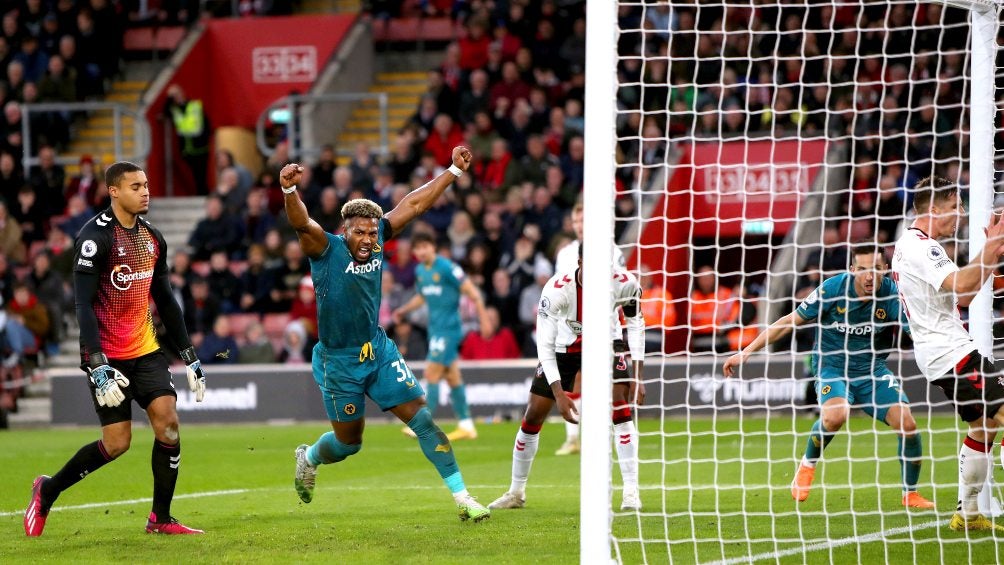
{"x":115,"y":172}
{"x":866,"y":247}
{"x":422,"y":237}
{"x":581,"y":245}
{"x":931,"y":190}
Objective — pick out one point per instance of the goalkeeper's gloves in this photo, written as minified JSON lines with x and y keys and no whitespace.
{"x":108,"y":381}
{"x":196,"y":376}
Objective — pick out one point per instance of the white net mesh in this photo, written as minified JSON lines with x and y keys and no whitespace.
{"x":756,"y":142}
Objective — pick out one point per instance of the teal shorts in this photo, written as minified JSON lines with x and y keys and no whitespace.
{"x":872,"y":394}
{"x":444,"y":347}
{"x":345,"y":381}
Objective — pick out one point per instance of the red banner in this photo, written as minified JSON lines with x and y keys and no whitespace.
{"x":239,"y":67}
{"x":751,"y":185}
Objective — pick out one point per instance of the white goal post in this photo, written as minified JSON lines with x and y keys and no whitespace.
{"x":761,"y":139}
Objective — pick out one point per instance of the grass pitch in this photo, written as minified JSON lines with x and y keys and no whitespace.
{"x":708,"y":497}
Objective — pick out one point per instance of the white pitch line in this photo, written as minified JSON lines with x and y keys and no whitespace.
{"x":878,"y":536}
{"x":136,"y":501}
{"x":246,"y":490}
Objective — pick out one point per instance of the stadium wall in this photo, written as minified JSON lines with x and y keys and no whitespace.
{"x":240,"y":66}
{"x":264,"y":393}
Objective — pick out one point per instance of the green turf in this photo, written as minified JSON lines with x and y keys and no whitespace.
{"x":387,"y":505}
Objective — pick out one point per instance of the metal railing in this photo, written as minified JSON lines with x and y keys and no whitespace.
{"x":293,"y":105}
{"x":141,"y":129}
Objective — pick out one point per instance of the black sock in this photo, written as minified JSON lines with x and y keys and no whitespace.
{"x":165,"y":462}
{"x":90,"y":458}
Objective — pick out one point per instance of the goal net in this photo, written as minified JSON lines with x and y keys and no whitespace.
{"x":754,"y":143}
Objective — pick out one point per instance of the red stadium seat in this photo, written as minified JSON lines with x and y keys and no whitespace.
{"x":239,"y":323}
{"x":275,"y":324}
{"x":410,"y":30}
{"x":153,"y":38}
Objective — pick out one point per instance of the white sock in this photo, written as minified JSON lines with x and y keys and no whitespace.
{"x":809,"y":464}
{"x":572,"y":430}
{"x":466,"y":424}
{"x":460,"y":495}
{"x":626,"y":439}
{"x":523,"y":453}
{"x":973,"y":467}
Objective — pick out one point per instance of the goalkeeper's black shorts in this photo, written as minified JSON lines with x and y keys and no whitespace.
{"x":149,"y":378}
{"x":975,"y":387}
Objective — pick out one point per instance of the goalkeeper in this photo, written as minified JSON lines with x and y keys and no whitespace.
{"x":856,"y":312}
{"x":120,"y":262}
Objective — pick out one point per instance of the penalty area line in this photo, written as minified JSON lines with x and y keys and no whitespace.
{"x":870,"y":538}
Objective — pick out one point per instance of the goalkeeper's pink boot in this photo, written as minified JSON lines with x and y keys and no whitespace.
{"x":170,"y":527}
{"x":913,"y":499}
{"x":35,"y":515}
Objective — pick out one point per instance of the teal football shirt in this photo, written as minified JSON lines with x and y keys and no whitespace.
{"x":439,"y":285}
{"x":348,"y":292}
{"x":854,"y":336}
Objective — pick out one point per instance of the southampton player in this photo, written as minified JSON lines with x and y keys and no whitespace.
{"x":931,"y":286}
{"x":855,"y":313}
{"x":559,"y":350}
{"x":565,"y":262}
{"x":439,"y":282}
{"x":120,"y":262}
{"x":354,"y":357}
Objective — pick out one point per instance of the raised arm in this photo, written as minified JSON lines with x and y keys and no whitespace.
{"x":774,"y":332}
{"x":415,"y":303}
{"x":472,"y":292}
{"x":313,"y":241}
{"x":421,"y":199}
{"x":969,"y":280}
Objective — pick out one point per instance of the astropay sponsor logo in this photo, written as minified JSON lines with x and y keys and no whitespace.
{"x":122,"y":276}
{"x":373,"y":265}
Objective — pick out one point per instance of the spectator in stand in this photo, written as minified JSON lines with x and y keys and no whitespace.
{"x":474,"y":46}
{"x":404,"y":157}
{"x":503,"y":96}
{"x":34,"y":60}
{"x":494,"y":172}
{"x":15,"y":82}
{"x":713,"y":309}
{"x":544,"y":214}
{"x":257,"y":348}
{"x":832,"y":258}
{"x":322,"y":173}
{"x":658,"y":308}
{"x":362,"y":166}
{"x":329,"y":214}
{"x":255,"y":282}
{"x":225,"y":160}
{"x":11,"y":241}
{"x":59,"y":246}
{"x":29,"y":312}
{"x":30,"y":215}
{"x":49,"y":180}
{"x":182,"y":275}
{"x":402,"y":265}
{"x":85,"y":51}
{"x":423,"y":120}
{"x":294,"y":344}
{"x":474,"y":99}
{"x":201,"y":310}
{"x":497,"y":343}
{"x":53,"y":293}
{"x":85,"y":182}
{"x":274,"y":249}
{"x":504,"y":298}
{"x":446,"y":96}
{"x":229,"y":190}
{"x":192,"y":129}
{"x":214,"y":232}
{"x":287,"y":277}
{"x":461,"y":233}
{"x":223,"y":284}
{"x":411,"y":341}
{"x":533,"y":166}
{"x":11,"y":179}
{"x":445,"y":135}
{"x":256,"y":220}
{"x":528,"y":300}
{"x":219,"y":346}
{"x":304,"y":309}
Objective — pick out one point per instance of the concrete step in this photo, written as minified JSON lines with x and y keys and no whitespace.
{"x":415,"y":88}
{"x":96,"y":134}
{"x":402,"y":112}
{"x":394,"y":100}
{"x":400,"y":76}
{"x":128,"y":97}
{"x":31,"y":413}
